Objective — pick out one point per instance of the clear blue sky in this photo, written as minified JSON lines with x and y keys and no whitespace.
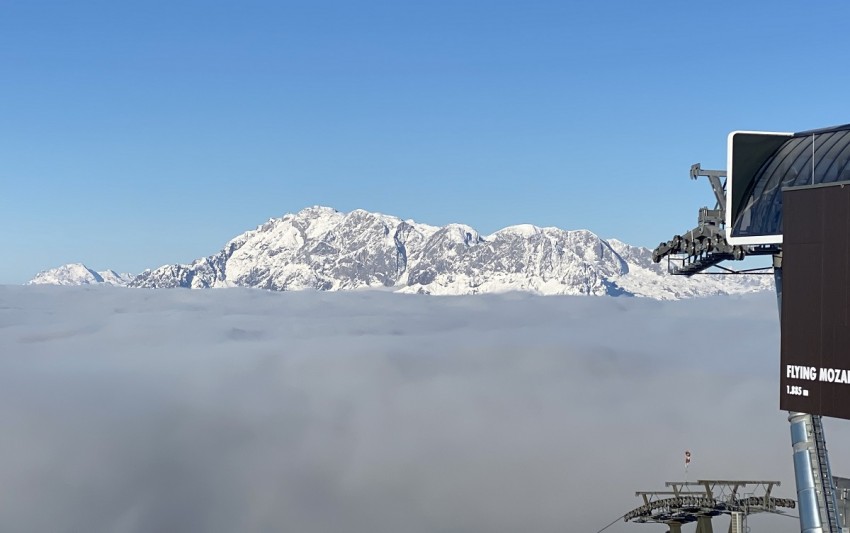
{"x":134,"y":134}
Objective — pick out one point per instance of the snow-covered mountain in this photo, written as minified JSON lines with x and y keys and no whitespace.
{"x":323,"y":249}
{"x":79,"y":274}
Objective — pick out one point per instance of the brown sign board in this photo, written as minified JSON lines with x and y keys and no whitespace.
{"x":815,"y":315}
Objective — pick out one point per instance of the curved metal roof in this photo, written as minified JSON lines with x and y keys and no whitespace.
{"x":806,"y":158}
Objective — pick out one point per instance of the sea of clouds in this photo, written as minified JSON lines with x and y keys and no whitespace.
{"x":129,"y":410}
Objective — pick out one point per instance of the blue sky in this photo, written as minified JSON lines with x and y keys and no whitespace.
{"x":134,"y":134}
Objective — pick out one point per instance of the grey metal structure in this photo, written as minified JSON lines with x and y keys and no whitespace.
{"x":706,"y":246}
{"x":700,"y":501}
{"x":815,"y":487}
{"x":842,"y":495}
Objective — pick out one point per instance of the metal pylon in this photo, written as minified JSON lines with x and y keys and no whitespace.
{"x":815,"y":489}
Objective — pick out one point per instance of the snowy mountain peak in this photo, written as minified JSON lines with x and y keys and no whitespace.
{"x":461,"y":233}
{"x":320,"y":248}
{"x":525,"y":231}
{"x":79,"y":274}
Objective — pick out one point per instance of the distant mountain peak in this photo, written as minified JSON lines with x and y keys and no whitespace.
{"x":79,"y":274}
{"x":320,"y":248}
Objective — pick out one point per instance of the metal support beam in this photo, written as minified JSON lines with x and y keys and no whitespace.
{"x":705,"y":246}
{"x":717,"y":186}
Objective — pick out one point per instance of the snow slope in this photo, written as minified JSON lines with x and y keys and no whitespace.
{"x":79,"y":274}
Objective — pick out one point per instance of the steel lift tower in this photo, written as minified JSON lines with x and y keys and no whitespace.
{"x":747,"y":220}
{"x":699,"y":501}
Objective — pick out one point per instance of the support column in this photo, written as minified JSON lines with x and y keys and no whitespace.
{"x":736,"y":522}
{"x":803,"y":444}
{"x":704,"y":525}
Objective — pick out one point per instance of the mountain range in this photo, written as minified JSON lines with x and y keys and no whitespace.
{"x":320,"y":248}
{"x":79,"y":274}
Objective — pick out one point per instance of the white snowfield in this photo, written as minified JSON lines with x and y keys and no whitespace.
{"x":320,"y":248}
{"x":79,"y":274}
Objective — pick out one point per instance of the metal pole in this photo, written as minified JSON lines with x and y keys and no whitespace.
{"x":803,"y":443}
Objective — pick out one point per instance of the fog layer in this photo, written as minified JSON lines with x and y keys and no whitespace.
{"x":240,"y":410}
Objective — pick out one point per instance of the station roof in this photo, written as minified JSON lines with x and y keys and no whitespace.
{"x":807,"y":158}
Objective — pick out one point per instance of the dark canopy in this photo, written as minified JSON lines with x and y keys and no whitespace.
{"x":791,"y":165}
